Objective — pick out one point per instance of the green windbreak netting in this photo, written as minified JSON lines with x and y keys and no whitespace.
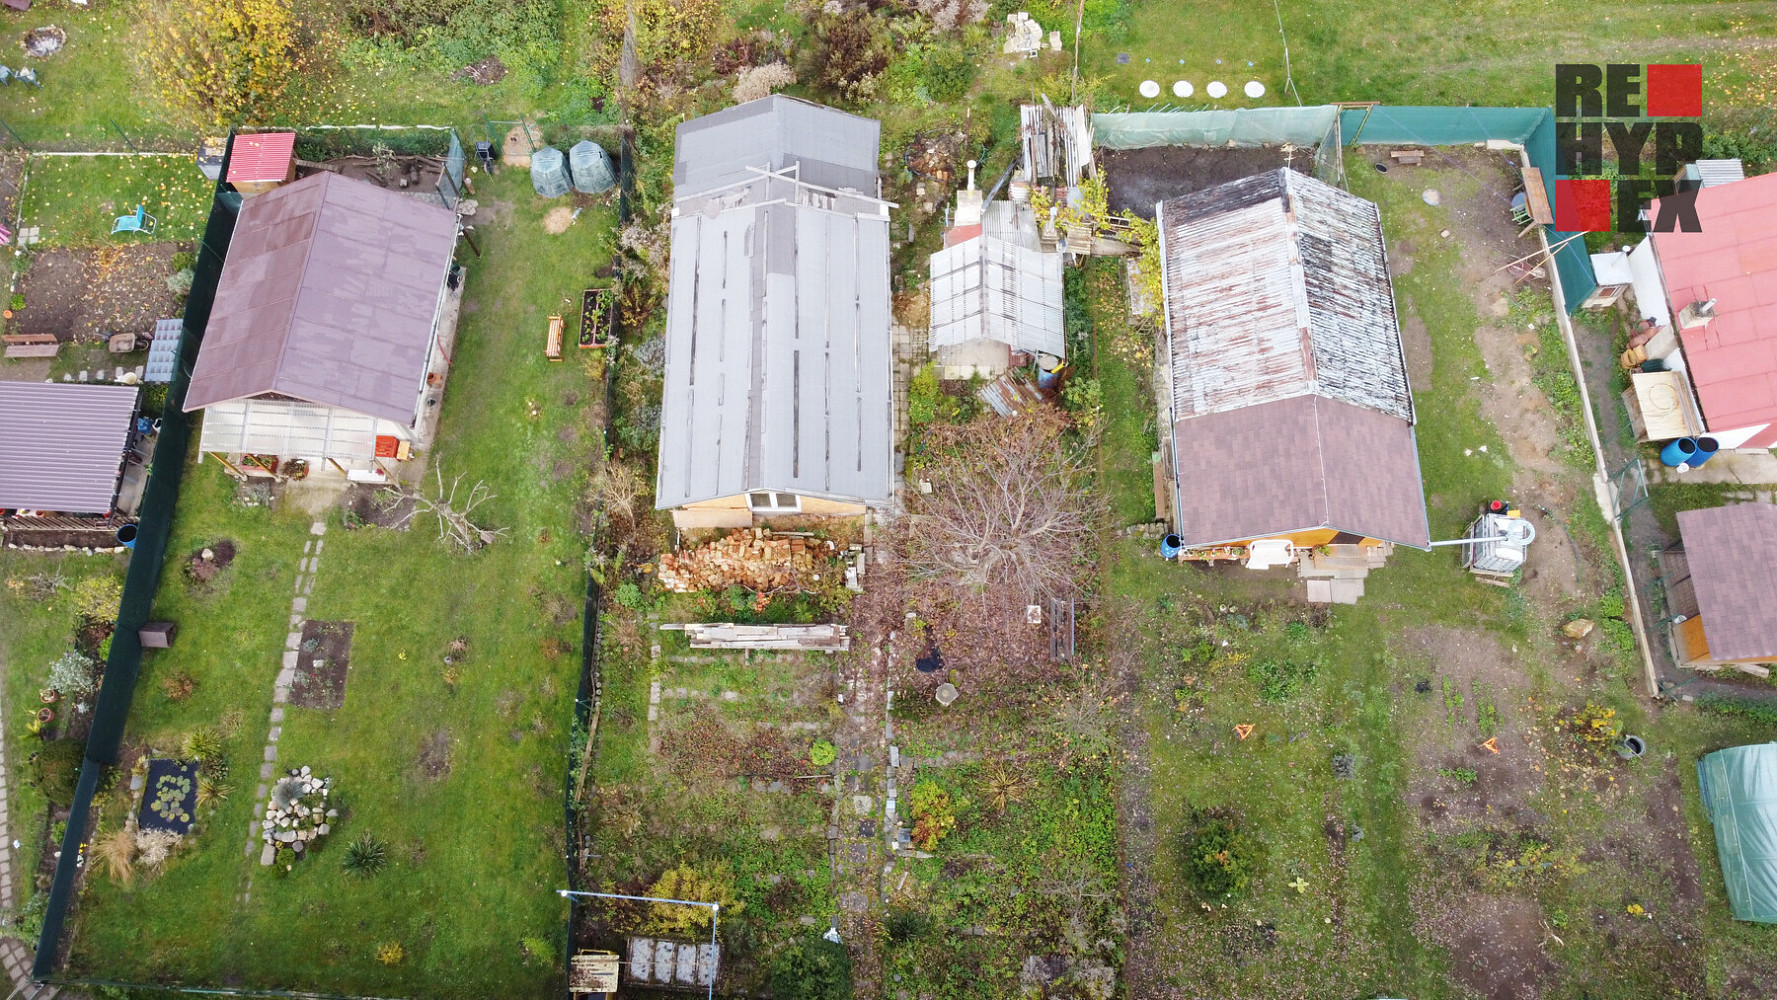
{"x":1243,"y":127}
{"x":1739,"y":787}
{"x":1533,"y":128}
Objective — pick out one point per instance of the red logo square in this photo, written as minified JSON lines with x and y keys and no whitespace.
{"x":1582,"y":206}
{"x":1675,"y":90}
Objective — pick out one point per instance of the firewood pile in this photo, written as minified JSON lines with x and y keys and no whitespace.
{"x":753,"y":558}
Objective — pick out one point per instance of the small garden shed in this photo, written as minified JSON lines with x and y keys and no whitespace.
{"x":1739,"y":789}
{"x":63,"y":445}
{"x":1721,"y":585}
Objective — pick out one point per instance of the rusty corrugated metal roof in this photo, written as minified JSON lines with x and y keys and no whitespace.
{"x":328,"y":295}
{"x":62,"y":445}
{"x":1277,"y":286}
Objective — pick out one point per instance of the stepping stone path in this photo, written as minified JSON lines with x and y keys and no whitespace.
{"x":306,"y":571}
{"x":14,"y":954}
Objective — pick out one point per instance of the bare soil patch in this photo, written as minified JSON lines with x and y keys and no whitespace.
{"x":206,"y":563}
{"x":1495,"y":944}
{"x":1137,"y":178}
{"x":435,"y":755}
{"x":489,"y":70}
{"x":1416,"y":344}
{"x":364,"y":504}
{"x":89,"y":293}
{"x":322,"y":659}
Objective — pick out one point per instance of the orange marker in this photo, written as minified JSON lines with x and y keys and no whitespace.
{"x":1245,"y":729}
{"x":1492,"y":744}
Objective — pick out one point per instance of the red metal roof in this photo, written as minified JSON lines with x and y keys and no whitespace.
{"x":261,"y":156}
{"x":1733,"y":260}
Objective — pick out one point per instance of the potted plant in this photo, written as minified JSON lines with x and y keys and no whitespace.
{"x":46,"y":715}
{"x":296,"y":468}
{"x":50,"y":696}
{"x":598,"y":317}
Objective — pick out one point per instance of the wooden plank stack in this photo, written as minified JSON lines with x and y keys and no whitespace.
{"x":753,"y":558}
{"x":813,"y":638}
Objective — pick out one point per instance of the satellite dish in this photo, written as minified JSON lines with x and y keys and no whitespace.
{"x":1183,"y":88}
{"x":1218,"y":90}
{"x":1150,"y":89}
{"x":1255,"y":89}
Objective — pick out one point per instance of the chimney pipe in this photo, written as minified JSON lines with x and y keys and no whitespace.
{"x":971,"y":175}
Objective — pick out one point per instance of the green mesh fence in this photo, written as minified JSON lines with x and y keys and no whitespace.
{"x":155,"y":526}
{"x":1243,"y":127}
{"x":1534,"y":128}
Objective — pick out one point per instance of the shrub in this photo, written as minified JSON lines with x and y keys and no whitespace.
{"x":761,"y":81}
{"x":96,"y":598}
{"x":179,"y":282}
{"x":849,"y":52}
{"x":365,"y":856}
{"x":822,"y":753}
{"x":932,"y":811}
{"x":1502,"y":860}
{"x":116,"y":853}
{"x":211,"y":790}
{"x":184,"y":260}
{"x":904,"y":924}
{"x":949,"y":71}
{"x":72,"y":675}
{"x":923,"y":393}
{"x":55,"y":769}
{"x":629,"y":596}
{"x":391,"y":953}
{"x":1594,"y":729}
{"x":201,"y":744}
{"x":1084,"y":398}
{"x":713,"y":884}
{"x":1220,"y":856}
{"x":221,"y":62}
{"x":1280,"y":680}
{"x":812,"y":969}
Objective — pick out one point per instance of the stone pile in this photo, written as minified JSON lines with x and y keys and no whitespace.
{"x":298,"y":813}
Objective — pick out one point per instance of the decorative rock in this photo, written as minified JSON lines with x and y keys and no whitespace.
{"x":1579,"y":628}
{"x":305,"y":770}
{"x":299,"y":847}
{"x":324,"y":829}
{"x":333,"y":814}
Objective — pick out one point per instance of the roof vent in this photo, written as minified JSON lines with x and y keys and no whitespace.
{"x":1696,"y":314}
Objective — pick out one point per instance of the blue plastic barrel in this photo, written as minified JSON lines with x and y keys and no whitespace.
{"x":1170,"y":546}
{"x":1706,"y":449}
{"x":126,"y":536}
{"x":1048,"y":371}
{"x":1678,"y":452}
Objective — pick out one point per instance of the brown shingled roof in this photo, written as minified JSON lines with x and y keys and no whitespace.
{"x":328,"y":295}
{"x":1298,"y":463}
{"x":1732,"y":553}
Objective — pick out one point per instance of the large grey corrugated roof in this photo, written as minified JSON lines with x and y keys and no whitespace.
{"x":1277,"y":286}
{"x":328,"y":295}
{"x":62,"y":445}
{"x":833,"y":149}
{"x":777,"y":347}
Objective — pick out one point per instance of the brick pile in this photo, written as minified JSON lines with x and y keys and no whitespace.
{"x":753,"y":558}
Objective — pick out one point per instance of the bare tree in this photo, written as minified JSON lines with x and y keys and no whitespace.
{"x":456,"y":523}
{"x":1010,"y":508}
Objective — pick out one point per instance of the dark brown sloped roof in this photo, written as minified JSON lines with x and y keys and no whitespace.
{"x":62,"y":445}
{"x":1294,"y":464}
{"x":328,"y":295}
{"x":1732,"y":553}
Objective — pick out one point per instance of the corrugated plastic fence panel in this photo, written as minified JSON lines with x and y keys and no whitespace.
{"x":1243,"y":127}
{"x":1534,"y":128}
{"x":450,"y":180}
{"x":155,"y":526}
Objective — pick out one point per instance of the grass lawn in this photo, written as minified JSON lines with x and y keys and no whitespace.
{"x":457,"y":768}
{"x":1493,"y":54}
{"x":76,"y":199}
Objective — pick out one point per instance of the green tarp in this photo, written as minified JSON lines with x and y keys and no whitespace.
{"x":1739,"y":787}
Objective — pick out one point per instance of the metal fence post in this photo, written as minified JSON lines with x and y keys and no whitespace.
{"x":15,"y":136}
{"x":123,"y":135}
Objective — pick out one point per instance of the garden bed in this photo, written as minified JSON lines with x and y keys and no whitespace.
{"x":322,"y":659}
{"x":90,"y":293}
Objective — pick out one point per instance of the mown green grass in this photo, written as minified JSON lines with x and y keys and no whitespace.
{"x":75,"y":200}
{"x":1500,"y":54}
{"x":475,"y":854}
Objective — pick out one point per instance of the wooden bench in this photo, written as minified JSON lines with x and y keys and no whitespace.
{"x":48,"y":350}
{"x":1536,"y":197}
{"x":552,"y":347}
{"x":1407,"y":157}
{"x":12,"y":339}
